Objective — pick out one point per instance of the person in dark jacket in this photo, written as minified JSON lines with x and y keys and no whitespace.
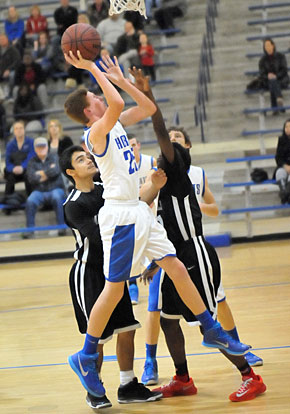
{"x":18,"y":152}
{"x":44,"y":176}
{"x":127,"y":48}
{"x":273,"y":73}
{"x":282,"y":172}
{"x":65,"y":16}
{"x":25,"y":104}
{"x":31,"y":73}
{"x":10,"y":59}
{"x":98,"y":11}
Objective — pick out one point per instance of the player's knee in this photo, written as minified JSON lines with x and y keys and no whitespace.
{"x":168,"y":325}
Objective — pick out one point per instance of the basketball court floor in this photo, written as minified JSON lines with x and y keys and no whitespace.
{"x":38,"y":332}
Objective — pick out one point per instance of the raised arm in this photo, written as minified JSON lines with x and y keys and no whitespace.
{"x":209,"y":206}
{"x":160,"y":130}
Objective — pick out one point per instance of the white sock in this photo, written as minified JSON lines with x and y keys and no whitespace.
{"x":126,"y":377}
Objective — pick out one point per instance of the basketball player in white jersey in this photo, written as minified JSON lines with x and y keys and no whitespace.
{"x":129,"y":231}
{"x":145,"y":163}
{"x":208,"y":206}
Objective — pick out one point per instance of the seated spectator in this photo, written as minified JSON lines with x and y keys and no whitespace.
{"x":14,"y":29}
{"x":110,"y":29}
{"x":18,"y":152}
{"x":45,"y":178}
{"x":65,"y":16}
{"x":146,"y":55}
{"x":57,"y":141}
{"x":35,"y":24}
{"x":25,"y":104}
{"x":273,"y":73}
{"x":42,"y":53}
{"x":10,"y":59}
{"x":127,"y":48}
{"x":97,"y":11}
{"x":168,"y":11}
{"x":31,"y":73}
{"x":282,"y":172}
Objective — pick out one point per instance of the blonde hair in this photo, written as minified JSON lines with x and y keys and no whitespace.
{"x":58,"y":123}
{"x":34,"y":7}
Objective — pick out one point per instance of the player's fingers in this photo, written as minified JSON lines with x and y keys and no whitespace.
{"x":102,"y":64}
{"x":116,"y":61}
{"x":79,"y":54}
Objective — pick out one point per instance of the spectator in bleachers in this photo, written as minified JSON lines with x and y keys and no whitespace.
{"x":44,"y":176}
{"x":18,"y":152}
{"x":10,"y":59}
{"x":110,"y":29}
{"x":31,"y":73}
{"x":282,"y":172}
{"x":168,"y":11}
{"x":98,"y":11}
{"x":35,"y":24}
{"x":25,"y":104}
{"x":65,"y":16}
{"x":146,"y":54}
{"x":57,"y":141}
{"x":14,"y":29}
{"x":127,"y":48}
{"x":273,"y":73}
{"x":42,"y":52}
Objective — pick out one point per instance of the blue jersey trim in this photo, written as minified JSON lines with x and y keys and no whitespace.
{"x":167,"y":255}
{"x":107,"y":144}
{"x":203,"y":190}
{"x":152,"y":161}
{"x":222,"y":300}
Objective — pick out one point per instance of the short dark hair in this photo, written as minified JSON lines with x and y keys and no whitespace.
{"x":182,"y":130}
{"x":75,"y":104}
{"x":65,"y":160}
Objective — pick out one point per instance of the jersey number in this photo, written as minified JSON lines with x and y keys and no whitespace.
{"x":129,"y":156}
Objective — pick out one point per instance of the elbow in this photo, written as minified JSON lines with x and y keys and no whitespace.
{"x":120,"y":104}
{"x":152,"y":108}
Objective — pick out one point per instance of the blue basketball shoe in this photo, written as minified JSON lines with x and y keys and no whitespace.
{"x":253,"y":360}
{"x":216,"y":337}
{"x":150,"y":374}
{"x":85,"y":367}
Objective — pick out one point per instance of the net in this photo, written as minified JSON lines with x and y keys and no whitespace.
{"x":118,"y":6}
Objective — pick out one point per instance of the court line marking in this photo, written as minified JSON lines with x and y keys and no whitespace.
{"x":69,"y":304}
{"x":110,"y":358}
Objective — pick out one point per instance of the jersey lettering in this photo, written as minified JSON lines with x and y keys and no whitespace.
{"x":122,"y":142}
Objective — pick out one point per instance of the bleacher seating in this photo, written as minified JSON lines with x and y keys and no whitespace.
{"x":269,"y":6}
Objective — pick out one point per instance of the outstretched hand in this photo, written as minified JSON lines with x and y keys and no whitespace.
{"x":159,"y":178}
{"x":78,"y":61}
{"x":141,"y":81}
{"x":112,"y":69}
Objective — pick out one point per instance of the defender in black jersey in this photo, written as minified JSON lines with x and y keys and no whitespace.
{"x":180,"y":214}
{"x":87,"y":279}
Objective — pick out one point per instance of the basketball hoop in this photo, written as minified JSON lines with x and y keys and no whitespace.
{"x":118,"y":6}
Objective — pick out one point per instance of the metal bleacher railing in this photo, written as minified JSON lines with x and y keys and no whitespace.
{"x":205,"y":62}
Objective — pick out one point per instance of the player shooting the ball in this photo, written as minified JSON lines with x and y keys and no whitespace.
{"x":128,"y":228}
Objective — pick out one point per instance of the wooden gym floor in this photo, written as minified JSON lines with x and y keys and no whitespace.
{"x":38,"y":332}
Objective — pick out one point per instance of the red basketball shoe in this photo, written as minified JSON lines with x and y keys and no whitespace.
{"x":249,"y":389}
{"x":176,"y":387}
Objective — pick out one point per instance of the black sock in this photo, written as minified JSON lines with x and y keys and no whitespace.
{"x":182,"y":371}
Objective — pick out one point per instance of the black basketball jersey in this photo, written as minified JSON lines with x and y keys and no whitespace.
{"x":177,"y":205}
{"x":80,"y":212}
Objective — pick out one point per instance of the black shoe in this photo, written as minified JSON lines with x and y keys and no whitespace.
{"x":28,"y":235}
{"x":97,"y":402}
{"x":61,"y":232}
{"x":135,"y":392}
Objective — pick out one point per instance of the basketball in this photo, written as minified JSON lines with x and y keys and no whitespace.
{"x":82,"y":37}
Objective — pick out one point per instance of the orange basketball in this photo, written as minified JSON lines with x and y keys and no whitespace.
{"x":82,"y":37}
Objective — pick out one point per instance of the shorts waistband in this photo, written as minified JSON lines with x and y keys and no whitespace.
{"x":121,"y":202}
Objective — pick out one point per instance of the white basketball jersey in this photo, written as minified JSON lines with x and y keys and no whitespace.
{"x":117,"y":165}
{"x":144,"y":166}
{"x":196,"y":175}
